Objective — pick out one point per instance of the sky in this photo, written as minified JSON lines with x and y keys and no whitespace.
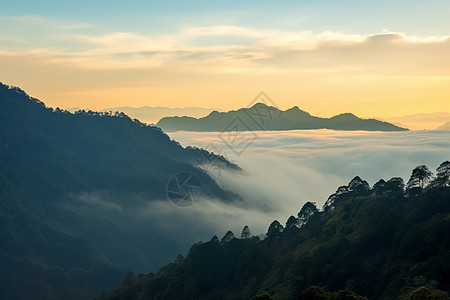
{"x":371,"y":58}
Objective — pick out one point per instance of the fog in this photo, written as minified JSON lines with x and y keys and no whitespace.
{"x":285,"y":169}
{"x":281,"y":171}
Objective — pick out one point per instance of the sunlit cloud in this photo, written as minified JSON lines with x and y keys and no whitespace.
{"x":199,"y":60}
{"x":302,"y":50}
{"x":223,"y":30}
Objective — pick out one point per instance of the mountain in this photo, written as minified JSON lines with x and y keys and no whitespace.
{"x":78,"y":194}
{"x":422,"y":121}
{"x":263,"y":117}
{"x":445,"y":126}
{"x":381,"y":242}
{"x":150,"y":115}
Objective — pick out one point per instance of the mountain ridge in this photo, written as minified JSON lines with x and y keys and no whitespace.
{"x":72,"y":187}
{"x":264,"y":117}
{"x":152,"y":114}
{"x":445,"y":126}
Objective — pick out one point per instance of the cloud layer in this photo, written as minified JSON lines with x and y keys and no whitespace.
{"x":325,"y":72}
{"x":283,"y":170}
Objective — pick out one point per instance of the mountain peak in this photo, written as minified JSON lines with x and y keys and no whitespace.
{"x":262,"y":105}
{"x":346,"y":116}
{"x":262,"y":116}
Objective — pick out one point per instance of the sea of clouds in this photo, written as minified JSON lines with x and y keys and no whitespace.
{"x":285,"y":169}
{"x":281,"y":171}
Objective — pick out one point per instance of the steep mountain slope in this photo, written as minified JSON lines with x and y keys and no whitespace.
{"x":263,"y":117}
{"x":383,"y":242}
{"x":71,"y":185}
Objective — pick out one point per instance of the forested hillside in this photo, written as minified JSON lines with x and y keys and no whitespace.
{"x":69,"y":185}
{"x":389,"y":241}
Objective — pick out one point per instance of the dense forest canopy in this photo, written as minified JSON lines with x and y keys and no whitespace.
{"x":70,"y":187}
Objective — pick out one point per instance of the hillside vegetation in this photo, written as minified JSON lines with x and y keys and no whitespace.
{"x":389,"y":241}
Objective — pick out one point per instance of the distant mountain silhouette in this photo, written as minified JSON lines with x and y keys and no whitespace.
{"x":150,"y":114}
{"x":263,"y":117}
{"x":70,"y":188}
{"x":422,"y":121}
{"x":445,"y":126}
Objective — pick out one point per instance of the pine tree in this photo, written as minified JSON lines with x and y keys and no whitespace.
{"x":442,"y":175}
{"x":419,"y":177}
{"x":246,"y":234}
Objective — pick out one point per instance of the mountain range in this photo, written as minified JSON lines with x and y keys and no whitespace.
{"x":422,"y":121}
{"x":389,"y":241}
{"x":445,"y":126}
{"x":79,"y":194}
{"x":263,"y":117}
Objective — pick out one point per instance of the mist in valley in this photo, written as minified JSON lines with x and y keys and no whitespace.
{"x":285,"y":169}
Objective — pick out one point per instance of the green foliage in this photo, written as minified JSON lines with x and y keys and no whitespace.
{"x":262,"y":296}
{"x":420,"y":177}
{"x":246,"y":234}
{"x":442,"y":175}
{"x":421,"y":293}
{"x":315,"y":293}
{"x":318,"y":293}
{"x":46,"y":157}
{"x":373,"y":243}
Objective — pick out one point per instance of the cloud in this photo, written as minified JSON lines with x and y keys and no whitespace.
{"x":75,"y":26}
{"x":283,"y":170}
{"x":326,"y":71}
{"x":199,"y":48}
{"x":223,"y":30}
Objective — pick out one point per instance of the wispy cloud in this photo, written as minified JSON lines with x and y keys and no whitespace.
{"x":305,"y":51}
{"x":223,"y":56}
{"x":75,"y":26}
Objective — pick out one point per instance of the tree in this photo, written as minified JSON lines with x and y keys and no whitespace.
{"x":245,"y":234}
{"x":315,"y":293}
{"x":292,"y":222}
{"x":442,"y":175}
{"x":227,"y":237}
{"x":215,"y":239}
{"x":347,"y":295}
{"x":358,"y":186}
{"x":379,"y":188}
{"x":307,"y":211}
{"x":262,"y":296}
{"x":394,"y":187}
{"x":318,"y":293}
{"x":421,"y":293}
{"x":420,"y":177}
{"x":275,"y":229}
